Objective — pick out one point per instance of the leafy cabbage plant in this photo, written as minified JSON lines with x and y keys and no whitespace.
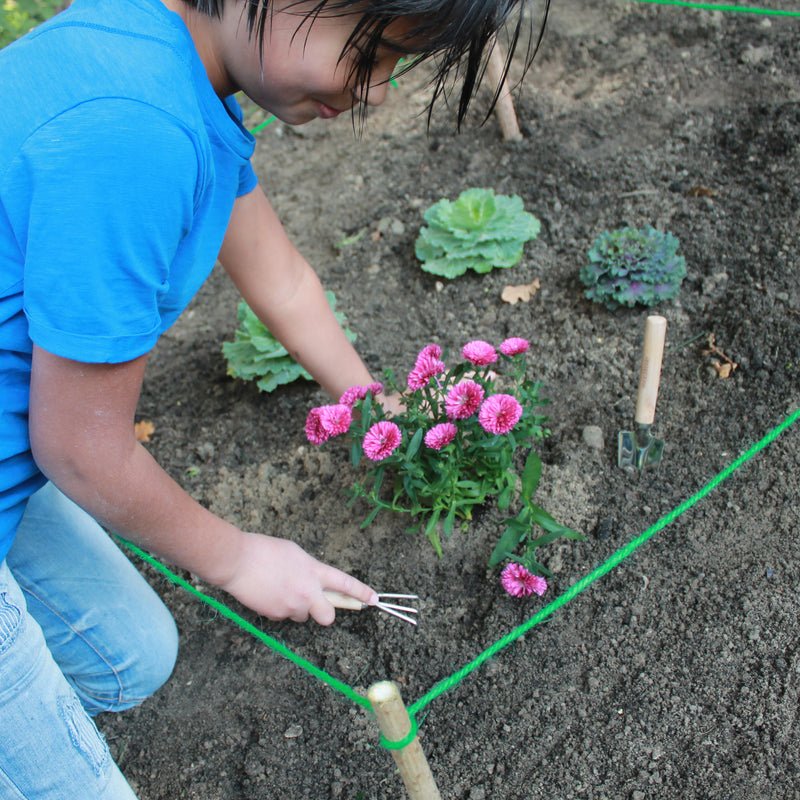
{"x":479,"y":231}
{"x":255,"y":354}
{"x":629,"y":266}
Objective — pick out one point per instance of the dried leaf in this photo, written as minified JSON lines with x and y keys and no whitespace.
{"x":701,"y":191}
{"x":524,"y":292}
{"x":723,"y":370}
{"x":143,"y":430}
{"x":724,"y":365}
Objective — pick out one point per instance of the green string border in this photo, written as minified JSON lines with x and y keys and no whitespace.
{"x":720,"y":7}
{"x":451,"y":681}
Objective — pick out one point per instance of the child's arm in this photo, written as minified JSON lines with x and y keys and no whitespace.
{"x":286,"y":294}
{"x":81,"y":425}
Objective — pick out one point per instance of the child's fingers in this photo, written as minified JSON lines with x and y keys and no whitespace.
{"x":332,"y":578}
{"x":322,"y":610}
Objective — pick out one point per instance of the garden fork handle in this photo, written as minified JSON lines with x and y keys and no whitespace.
{"x":655,"y":332}
{"x":346,"y":601}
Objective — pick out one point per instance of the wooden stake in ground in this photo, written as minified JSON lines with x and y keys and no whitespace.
{"x":395,"y":725}
{"x":504,"y":108}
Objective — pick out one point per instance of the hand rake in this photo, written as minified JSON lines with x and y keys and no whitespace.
{"x":340,"y":600}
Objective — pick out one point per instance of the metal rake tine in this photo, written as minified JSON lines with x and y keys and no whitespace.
{"x":399,"y":608}
{"x":398,"y":596}
{"x":397,"y":614}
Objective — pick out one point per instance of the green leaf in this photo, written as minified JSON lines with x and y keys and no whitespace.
{"x":546,"y":521}
{"x":413,"y":445}
{"x":370,"y":518}
{"x":449,"y":521}
{"x":531,"y":475}
{"x":509,"y":541}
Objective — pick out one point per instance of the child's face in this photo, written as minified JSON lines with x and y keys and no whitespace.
{"x":300,"y":77}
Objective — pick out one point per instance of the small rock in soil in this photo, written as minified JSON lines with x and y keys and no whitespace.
{"x":593,"y":437}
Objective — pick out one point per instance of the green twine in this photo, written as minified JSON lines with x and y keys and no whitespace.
{"x":719,"y":7}
{"x":406,"y":740}
{"x":261,"y":125}
{"x":448,"y":683}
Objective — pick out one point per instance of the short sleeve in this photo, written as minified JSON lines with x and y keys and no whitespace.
{"x":104,"y":195}
{"x":247,"y":176}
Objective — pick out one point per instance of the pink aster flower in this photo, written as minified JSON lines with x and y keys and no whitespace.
{"x":430,"y":351}
{"x":519,"y":582}
{"x":381,"y":440}
{"x":426,"y":367}
{"x":514,"y":346}
{"x":499,"y":413}
{"x":441,"y":435}
{"x":356,"y":393}
{"x":335,"y":419}
{"x":315,"y":432}
{"x":479,"y":353}
{"x":463,"y":399}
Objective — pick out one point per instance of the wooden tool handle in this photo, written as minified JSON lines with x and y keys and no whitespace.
{"x":655,"y":332}
{"x":339,"y":600}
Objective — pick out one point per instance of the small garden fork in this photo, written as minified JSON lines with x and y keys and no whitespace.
{"x":346,"y":601}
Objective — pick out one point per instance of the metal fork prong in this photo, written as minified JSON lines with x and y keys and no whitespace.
{"x":399,"y":596}
{"x":400,"y":608}
{"x":394,"y":613}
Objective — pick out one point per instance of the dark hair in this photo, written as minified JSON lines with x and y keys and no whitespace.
{"x":456,"y":34}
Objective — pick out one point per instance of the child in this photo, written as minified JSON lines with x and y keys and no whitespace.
{"x":123,"y":164}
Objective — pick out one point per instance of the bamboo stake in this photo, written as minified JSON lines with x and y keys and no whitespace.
{"x":395,"y":725}
{"x":504,"y":108}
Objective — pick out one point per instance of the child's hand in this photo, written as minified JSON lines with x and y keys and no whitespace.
{"x":279,"y":580}
{"x":391,"y":404}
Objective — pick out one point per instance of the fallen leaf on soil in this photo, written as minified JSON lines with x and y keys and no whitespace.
{"x":724,"y":365}
{"x":701,"y":191}
{"x":143,"y":430}
{"x":524,"y":292}
{"x":723,"y":370}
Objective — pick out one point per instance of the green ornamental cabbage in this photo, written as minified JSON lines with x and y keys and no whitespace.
{"x":479,"y":231}
{"x":256,"y":354}
{"x":629,"y":266}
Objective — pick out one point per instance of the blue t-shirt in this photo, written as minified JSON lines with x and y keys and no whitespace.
{"x":119,"y":166}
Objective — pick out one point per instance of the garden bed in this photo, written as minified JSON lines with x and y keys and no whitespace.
{"x":675,"y":676}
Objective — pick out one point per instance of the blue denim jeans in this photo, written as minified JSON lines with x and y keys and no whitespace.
{"x":81,"y":632}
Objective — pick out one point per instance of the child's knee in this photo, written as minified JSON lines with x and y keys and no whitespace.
{"x":150,"y":655}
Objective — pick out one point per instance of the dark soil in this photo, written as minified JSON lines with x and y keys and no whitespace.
{"x":678,"y":674}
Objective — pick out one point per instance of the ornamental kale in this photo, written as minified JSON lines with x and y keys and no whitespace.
{"x":256,"y":353}
{"x":480,"y":230}
{"x":629,"y":266}
{"x":453,"y":448}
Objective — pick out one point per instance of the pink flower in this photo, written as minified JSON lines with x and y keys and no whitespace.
{"x":430,"y":351}
{"x":426,"y":367}
{"x":326,"y":421}
{"x":356,"y":393}
{"x":315,"y":432}
{"x":441,"y":435}
{"x":499,"y":413}
{"x":479,"y":353}
{"x":514,"y":346}
{"x":463,"y":399}
{"x":381,"y":440}
{"x":335,"y":420}
{"x":519,"y":582}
